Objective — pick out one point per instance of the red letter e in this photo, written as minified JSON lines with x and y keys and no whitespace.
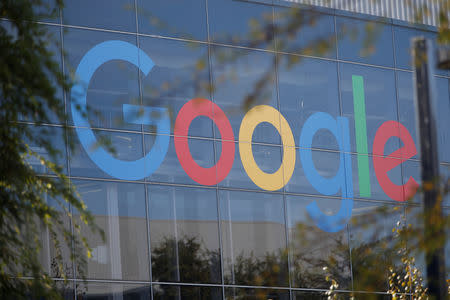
{"x":383,"y":165}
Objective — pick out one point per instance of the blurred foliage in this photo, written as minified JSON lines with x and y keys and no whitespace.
{"x":29,"y":80}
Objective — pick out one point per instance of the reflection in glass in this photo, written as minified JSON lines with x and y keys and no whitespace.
{"x":312,"y":249}
{"x":48,"y":11}
{"x":373,"y":244}
{"x":407,"y":111}
{"x":171,"y":170}
{"x":119,"y":15}
{"x":411,"y":168}
{"x":268,"y":159}
{"x":184,"y":234}
{"x":113,"y":84}
{"x":119,"y":210}
{"x":444,"y":173}
{"x":327,"y":165}
{"x":365,"y":41}
{"x":415,"y":217}
{"x":53,"y":45}
{"x":55,"y":260}
{"x":243,"y":79}
{"x":380,"y":101}
{"x":180,"y":74}
{"x":253,"y":238}
{"x":296,"y":295}
{"x":313,"y":35}
{"x":442,"y":118}
{"x":376,"y":190}
{"x":255,"y":294}
{"x":120,"y":145}
{"x":402,"y":41}
{"x":112,"y":291}
{"x":172,"y":292}
{"x":303,"y":93}
{"x":250,"y":22}
{"x":446,"y":213}
{"x":173,"y":18}
{"x":65,"y":289}
{"x":55,"y":136}
{"x":309,"y":296}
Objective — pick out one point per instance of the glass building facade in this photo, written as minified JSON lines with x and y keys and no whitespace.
{"x":197,"y":226}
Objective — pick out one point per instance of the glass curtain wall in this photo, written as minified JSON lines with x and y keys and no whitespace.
{"x":170,"y":237}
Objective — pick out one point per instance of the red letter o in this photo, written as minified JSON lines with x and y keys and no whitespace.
{"x":189,"y":111}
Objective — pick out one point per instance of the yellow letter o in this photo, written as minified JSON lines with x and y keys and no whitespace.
{"x":255,"y":116}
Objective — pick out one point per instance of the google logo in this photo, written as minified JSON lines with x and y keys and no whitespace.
{"x":338,"y":127}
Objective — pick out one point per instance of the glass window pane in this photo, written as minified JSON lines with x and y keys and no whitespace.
{"x":49,"y":252}
{"x":184,"y":234}
{"x":443,"y":120}
{"x":312,"y":249}
{"x":411,"y":168}
{"x":446,"y":213}
{"x":380,"y":101}
{"x":186,"y":292}
{"x":415,"y":217}
{"x":113,"y":84}
{"x":444,"y":172}
{"x":313,"y":32}
{"x":243,"y":79}
{"x":47,"y":134}
{"x":253,"y":238}
{"x":407,"y":111}
{"x":119,"y":210}
{"x":365,"y":41}
{"x":327,"y":165}
{"x":323,"y":296}
{"x":376,"y":191}
{"x":48,"y":11}
{"x":373,"y":244}
{"x":53,"y":45}
{"x":174,"y":18}
{"x":406,"y":107}
{"x":120,"y":145}
{"x":267,"y":158}
{"x":112,"y":291}
{"x":366,"y":296}
{"x":249,"y":25}
{"x":180,"y":74}
{"x":302,"y":93}
{"x":119,"y":15}
{"x":65,"y":289}
{"x":54,"y":38}
{"x":171,"y":169}
{"x":255,"y":294}
{"x":403,"y":38}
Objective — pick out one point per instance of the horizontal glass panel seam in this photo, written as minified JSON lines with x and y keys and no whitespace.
{"x":44,"y":23}
{"x":79,"y":279}
{"x":217,"y":140}
{"x":222,"y":285}
{"x":440,"y":76}
{"x":41,"y":124}
{"x":389,"y":202}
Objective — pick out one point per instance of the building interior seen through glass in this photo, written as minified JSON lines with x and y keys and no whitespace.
{"x":254,"y":178}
